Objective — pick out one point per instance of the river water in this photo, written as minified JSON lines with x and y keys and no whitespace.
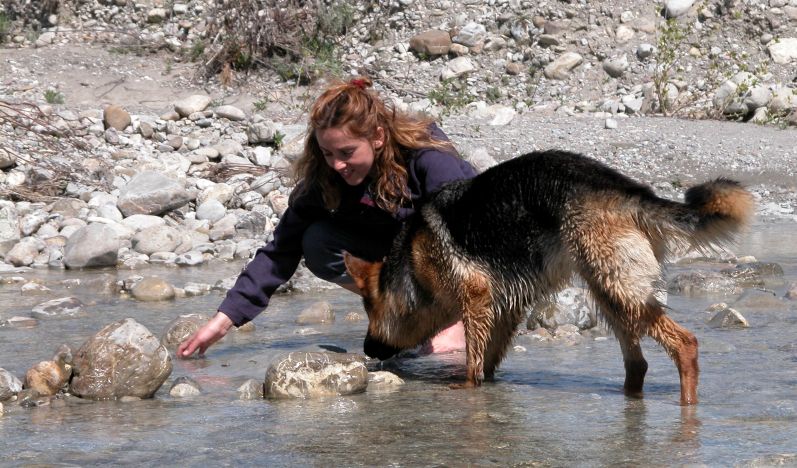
{"x":553,"y":404}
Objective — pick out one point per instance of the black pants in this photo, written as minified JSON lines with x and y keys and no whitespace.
{"x":324,"y":242}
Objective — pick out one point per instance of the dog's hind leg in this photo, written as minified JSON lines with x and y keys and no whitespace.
{"x":681,"y":345}
{"x":501,"y":337}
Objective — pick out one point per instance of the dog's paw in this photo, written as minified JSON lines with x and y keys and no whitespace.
{"x":463,"y":385}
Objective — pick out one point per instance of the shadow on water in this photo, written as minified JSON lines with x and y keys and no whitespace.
{"x":551,"y":404}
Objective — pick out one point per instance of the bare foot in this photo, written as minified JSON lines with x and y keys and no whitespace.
{"x":449,"y":340}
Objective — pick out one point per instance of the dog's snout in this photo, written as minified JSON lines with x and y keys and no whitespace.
{"x":377,"y":349}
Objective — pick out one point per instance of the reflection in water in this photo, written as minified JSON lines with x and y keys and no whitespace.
{"x":554,"y":404}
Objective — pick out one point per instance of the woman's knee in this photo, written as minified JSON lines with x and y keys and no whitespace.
{"x":323,"y":254}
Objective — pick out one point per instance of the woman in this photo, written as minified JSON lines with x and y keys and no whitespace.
{"x":365,"y":168}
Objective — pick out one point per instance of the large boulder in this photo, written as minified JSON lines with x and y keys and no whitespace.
{"x":95,"y":245}
{"x":311,"y":374}
{"x":123,"y":359}
{"x":157,"y":239}
{"x":151,"y":193}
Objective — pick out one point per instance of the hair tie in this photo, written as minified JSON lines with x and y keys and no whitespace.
{"x":358,"y":82}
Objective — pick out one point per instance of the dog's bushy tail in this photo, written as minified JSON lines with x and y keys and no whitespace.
{"x":713,"y":213}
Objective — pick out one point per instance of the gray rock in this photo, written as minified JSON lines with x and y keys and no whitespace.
{"x":9,"y":385}
{"x":227,"y":148}
{"x":784,"y":50}
{"x":615,"y":67}
{"x":457,"y":67}
{"x":68,"y":207}
{"x":702,"y":283}
{"x":319,"y":312}
{"x":308,"y":375}
{"x":185,"y":387}
{"x":181,"y":328}
{"x":156,"y":239}
{"x":571,"y":306}
{"x":190,"y":258}
{"x":24,"y":252}
{"x":755,"y":273}
{"x":152,"y":289}
{"x":9,"y":227}
{"x":230,"y":112}
{"x":212,"y":210}
{"x":140,"y":222}
{"x":251,"y":390}
{"x":471,"y":35}
{"x":728,"y":318}
{"x":383,"y":381}
{"x":791,"y":293}
{"x":752,"y":299}
{"x":192,"y":104}
{"x":62,"y":307}
{"x":123,"y":359}
{"x":151,"y":193}
{"x":432,"y":42}
{"x":95,"y":245}
{"x":676,"y":8}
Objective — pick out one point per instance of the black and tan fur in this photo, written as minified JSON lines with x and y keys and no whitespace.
{"x":486,"y":249}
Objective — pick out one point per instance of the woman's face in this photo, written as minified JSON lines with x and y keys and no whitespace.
{"x":352,"y":158}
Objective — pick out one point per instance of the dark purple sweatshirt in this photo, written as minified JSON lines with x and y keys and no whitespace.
{"x":276,"y":262}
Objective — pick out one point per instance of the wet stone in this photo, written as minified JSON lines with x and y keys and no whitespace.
{"x":185,"y":387}
{"x":10,"y":385}
{"x":309,"y":375}
{"x":20,"y":322}
{"x":702,"y":283}
{"x":30,"y":398}
{"x":251,"y":390}
{"x":728,"y":318}
{"x":320,"y":312}
{"x":383,"y":381}
{"x":152,"y":289}
{"x":570,"y":307}
{"x":759,"y":299}
{"x":122,"y":359}
{"x":755,"y":273}
{"x":181,"y":328}
{"x":791,"y":293}
{"x":62,"y":307}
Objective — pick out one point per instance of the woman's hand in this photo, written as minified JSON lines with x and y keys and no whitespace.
{"x":210,"y":333}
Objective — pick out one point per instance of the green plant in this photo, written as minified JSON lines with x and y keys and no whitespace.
{"x":53,"y":97}
{"x":261,"y":104}
{"x":669,"y":42}
{"x":451,"y":95}
{"x":279,"y":139}
{"x":493,"y":94}
{"x":196,"y":51}
{"x":5,"y":27}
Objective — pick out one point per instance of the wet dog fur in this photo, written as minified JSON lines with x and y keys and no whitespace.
{"x":487,"y":249}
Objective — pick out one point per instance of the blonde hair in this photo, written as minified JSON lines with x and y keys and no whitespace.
{"x":359,"y":110}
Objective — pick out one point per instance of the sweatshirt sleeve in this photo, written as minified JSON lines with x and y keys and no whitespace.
{"x":272,"y":266}
{"x":435,"y":168}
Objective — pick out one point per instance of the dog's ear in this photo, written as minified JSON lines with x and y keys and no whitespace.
{"x":358,"y":269}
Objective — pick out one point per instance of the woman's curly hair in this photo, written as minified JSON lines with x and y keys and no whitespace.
{"x":355,"y":107}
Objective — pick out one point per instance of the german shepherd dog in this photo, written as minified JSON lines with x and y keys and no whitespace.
{"x":487,"y":249}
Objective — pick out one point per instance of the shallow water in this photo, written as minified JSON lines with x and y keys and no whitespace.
{"x":553,"y":404}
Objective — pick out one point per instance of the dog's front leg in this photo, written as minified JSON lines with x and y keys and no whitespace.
{"x":478,"y":319}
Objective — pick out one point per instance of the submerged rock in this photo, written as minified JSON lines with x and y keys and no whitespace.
{"x":152,"y":289}
{"x":251,"y":390}
{"x":383,"y":381}
{"x":308,"y":375}
{"x":320,"y":312}
{"x":570,"y":307}
{"x":62,"y":307}
{"x":9,"y":385}
{"x":185,"y":387}
{"x":122,"y":359}
{"x":181,"y":328}
{"x":702,"y":282}
{"x":755,"y":273}
{"x":48,"y":377}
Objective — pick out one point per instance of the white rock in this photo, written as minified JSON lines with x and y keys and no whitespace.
{"x":783,"y":50}
{"x":191,"y":104}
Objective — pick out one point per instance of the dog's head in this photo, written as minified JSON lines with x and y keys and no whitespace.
{"x":366,"y":277}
